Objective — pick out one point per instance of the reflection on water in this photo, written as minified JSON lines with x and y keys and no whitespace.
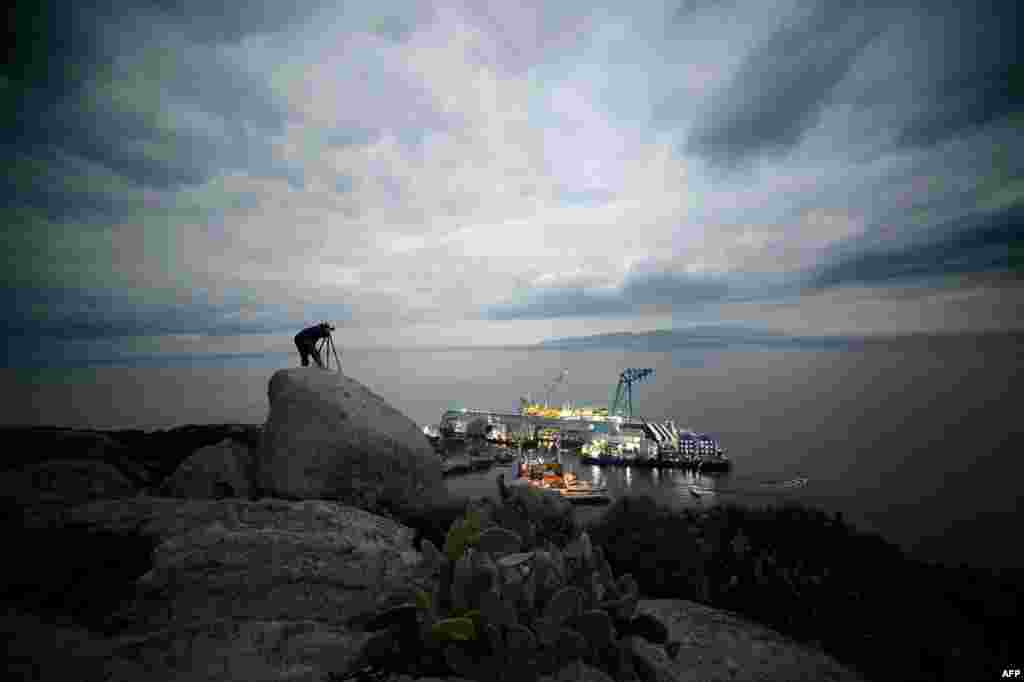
{"x":888,"y":434}
{"x":674,"y":488}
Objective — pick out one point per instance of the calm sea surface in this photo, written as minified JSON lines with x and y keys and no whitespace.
{"x":919,"y":440}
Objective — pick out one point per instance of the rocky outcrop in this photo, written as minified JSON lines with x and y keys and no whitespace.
{"x":28,"y":445}
{"x":145,"y":458}
{"x":214,"y":472}
{"x":45,"y":470}
{"x":329,"y":437}
{"x":717,"y":645}
{"x":234,"y":589}
{"x":68,"y":482}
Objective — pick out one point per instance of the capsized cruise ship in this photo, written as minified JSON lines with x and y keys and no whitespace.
{"x":611,"y":435}
{"x":600,"y":437}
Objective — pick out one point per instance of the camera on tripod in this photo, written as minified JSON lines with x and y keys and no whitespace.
{"x":326,"y":349}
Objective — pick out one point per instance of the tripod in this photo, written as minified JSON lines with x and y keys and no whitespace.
{"x":326,"y":349}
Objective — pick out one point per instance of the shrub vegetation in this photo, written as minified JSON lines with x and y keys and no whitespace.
{"x":815,"y":578}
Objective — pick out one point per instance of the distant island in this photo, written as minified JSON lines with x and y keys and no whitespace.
{"x":721,"y":336}
{"x":703,"y":336}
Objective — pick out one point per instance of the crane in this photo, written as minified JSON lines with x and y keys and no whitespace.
{"x":622,"y":404}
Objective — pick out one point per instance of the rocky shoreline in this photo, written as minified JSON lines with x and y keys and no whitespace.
{"x":253,"y":552}
{"x":815,"y":578}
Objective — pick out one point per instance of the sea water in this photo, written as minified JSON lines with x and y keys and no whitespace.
{"x":918,"y":440}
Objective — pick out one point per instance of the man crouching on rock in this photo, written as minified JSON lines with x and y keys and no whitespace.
{"x":306,"y":340}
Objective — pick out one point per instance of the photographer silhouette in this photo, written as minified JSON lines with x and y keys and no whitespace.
{"x":306,"y":342}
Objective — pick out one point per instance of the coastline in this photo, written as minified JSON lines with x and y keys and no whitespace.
{"x":802,"y":571}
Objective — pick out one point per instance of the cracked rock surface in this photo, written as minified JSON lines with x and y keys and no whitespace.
{"x":718,"y":645}
{"x":231,"y":589}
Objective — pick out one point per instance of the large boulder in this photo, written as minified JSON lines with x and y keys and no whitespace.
{"x":717,"y":645}
{"x":214,"y":472}
{"x":329,"y":437}
{"x":231,"y":589}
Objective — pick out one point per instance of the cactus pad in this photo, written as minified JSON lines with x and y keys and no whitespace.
{"x":458,"y":629}
{"x":499,"y":542}
{"x":566,"y":603}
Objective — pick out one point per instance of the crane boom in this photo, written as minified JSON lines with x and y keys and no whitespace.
{"x":622,"y":403}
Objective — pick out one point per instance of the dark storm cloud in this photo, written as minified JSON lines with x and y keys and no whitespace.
{"x":957,"y":68}
{"x":784,"y":83}
{"x":640,"y":288}
{"x":670,"y":288}
{"x":50,"y":174}
{"x":224,"y":21}
{"x":52,"y":46}
{"x":552,"y":303}
{"x":979,"y":79}
{"x":123,"y":85}
{"x":93,"y":314}
{"x":49,"y":47}
{"x":978,"y":243}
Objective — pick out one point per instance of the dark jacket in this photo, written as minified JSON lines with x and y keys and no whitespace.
{"x":313,"y":334}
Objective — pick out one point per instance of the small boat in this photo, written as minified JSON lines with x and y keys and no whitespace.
{"x":698,"y":491}
{"x":798,"y":482}
{"x":481,"y":461}
{"x":575,"y":485}
{"x":586,"y":498}
{"x":549,"y":476}
{"x":581,"y":493}
{"x":710,"y":463}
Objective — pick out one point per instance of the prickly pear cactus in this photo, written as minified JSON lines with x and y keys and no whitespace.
{"x":463,"y":533}
{"x":499,"y":542}
{"x":497,"y":606}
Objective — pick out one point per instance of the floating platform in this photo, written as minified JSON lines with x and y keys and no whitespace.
{"x":577,"y":493}
{"x":662,"y":444}
{"x":696,"y":463}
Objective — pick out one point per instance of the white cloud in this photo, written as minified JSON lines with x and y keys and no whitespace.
{"x":483,"y":203}
{"x":499,"y":148}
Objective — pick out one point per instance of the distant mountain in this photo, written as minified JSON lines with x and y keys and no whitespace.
{"x":704,"y":336}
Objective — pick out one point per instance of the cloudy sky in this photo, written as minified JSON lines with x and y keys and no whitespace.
{"x":502,"y":172}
